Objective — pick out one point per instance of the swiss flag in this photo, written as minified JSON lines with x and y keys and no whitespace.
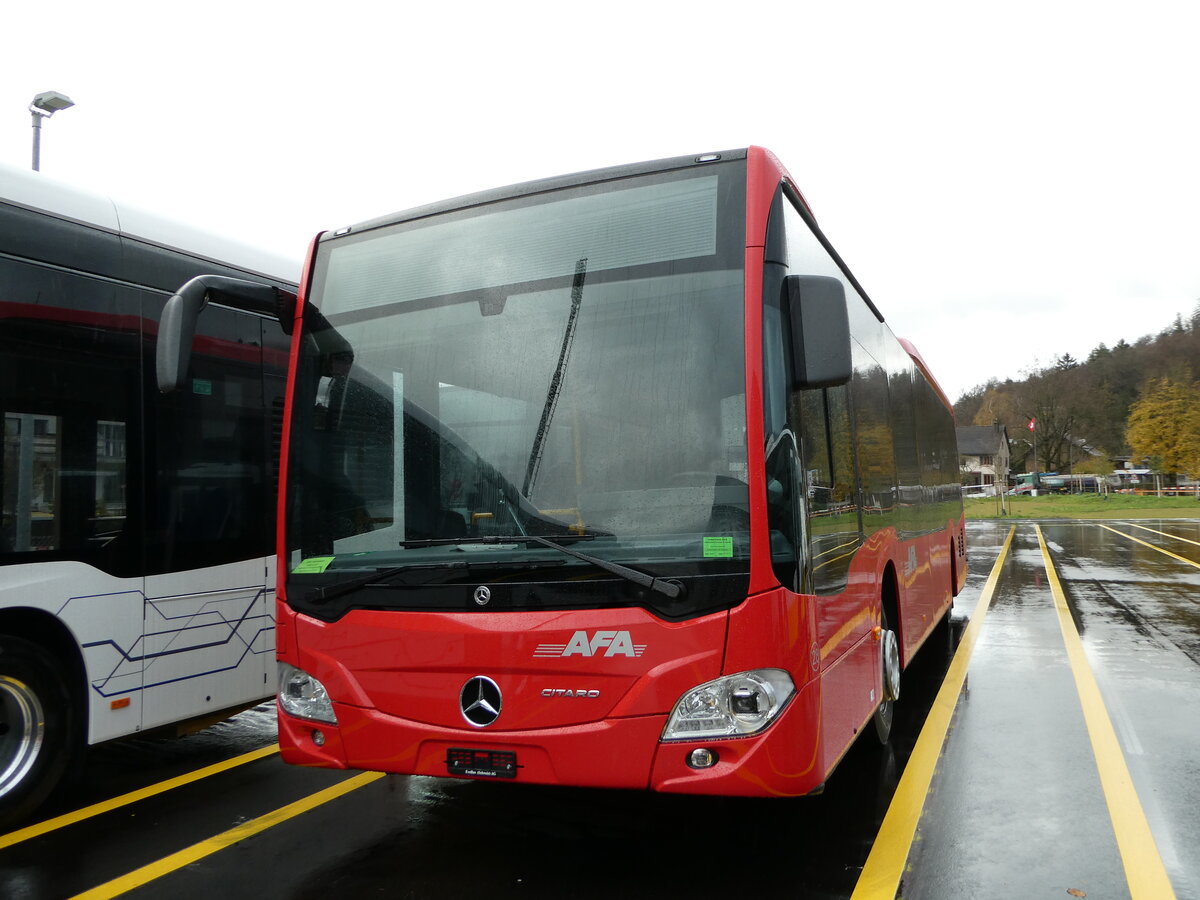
{"x":1032,"y":424}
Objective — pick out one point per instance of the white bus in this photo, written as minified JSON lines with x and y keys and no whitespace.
{"x":137,"y":571}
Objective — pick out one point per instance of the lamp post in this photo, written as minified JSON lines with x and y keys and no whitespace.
{"x":1032,"y":426}
{"x":44,"y":105}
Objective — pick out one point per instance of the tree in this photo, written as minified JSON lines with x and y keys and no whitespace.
{"x":966,"y":406}
{"x":1106,"y":387}
{"x":998,"y":405}
{"x":1084,"y":402}
{"x":1086,"y":462}
{"x":1048,"y":397}
{"x":1164,"y":425}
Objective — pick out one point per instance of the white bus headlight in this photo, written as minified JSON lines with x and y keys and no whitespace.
{"x":303,"y":696}
{"x":730,"y":706}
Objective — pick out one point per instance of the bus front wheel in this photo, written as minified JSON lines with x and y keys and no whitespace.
{"x":37,"y":740}
{"x":889,"y":659}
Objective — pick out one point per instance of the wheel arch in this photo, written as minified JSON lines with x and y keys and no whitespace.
{"x":51,"y":633}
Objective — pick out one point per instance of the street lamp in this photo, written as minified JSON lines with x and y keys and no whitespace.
{"x":44,"y":105}
{"x":1032,"y":426}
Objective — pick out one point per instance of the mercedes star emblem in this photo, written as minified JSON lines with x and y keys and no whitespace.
{"x":483,"y":594}
{"x":480,"y":701}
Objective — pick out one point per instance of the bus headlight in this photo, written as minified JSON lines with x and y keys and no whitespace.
{"x":731,"y":706}
{"x":303,"y":696}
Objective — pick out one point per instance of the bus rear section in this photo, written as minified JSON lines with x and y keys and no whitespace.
{"x":567,"y":500}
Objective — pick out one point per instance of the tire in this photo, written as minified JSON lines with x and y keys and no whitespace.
{"x":889,"y":651}
{"x":943,"y":637}
{"x":39,"y":728}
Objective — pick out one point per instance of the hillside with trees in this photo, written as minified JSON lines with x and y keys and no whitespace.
{"x":1139,"y":400}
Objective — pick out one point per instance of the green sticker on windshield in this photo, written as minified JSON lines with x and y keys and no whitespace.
{"x":718,"y":546}
{"x":313,"y":565}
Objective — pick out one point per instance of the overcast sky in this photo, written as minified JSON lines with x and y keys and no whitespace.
{"x":1009,"y":183}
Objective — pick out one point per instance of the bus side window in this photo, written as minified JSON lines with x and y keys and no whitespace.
{"x":784,"y":487}
{"x":209,"y":451}
{"x":68,"y":392}
{"x":812,"y":487}
{"x":833,"y":525}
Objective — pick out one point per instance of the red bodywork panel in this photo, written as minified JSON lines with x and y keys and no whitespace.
{"x":396,"y":678}
{"x":594,"y":705}
{"x":402,"y":664}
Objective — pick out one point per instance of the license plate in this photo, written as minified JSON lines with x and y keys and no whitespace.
{"x":481,"y":763}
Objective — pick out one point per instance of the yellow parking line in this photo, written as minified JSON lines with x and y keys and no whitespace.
{"x":880,"y":878}
{"x":1190,"y":562}
{"x":1144,"y":870}
{"x":191,"y":854}
{"x":32,"y":831}
{"x":1163,"y":533}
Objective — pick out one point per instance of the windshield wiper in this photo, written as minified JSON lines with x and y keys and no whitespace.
{"x":381,"y":577}
{"x":332,"y":591}
{"x":668,"y":587}
{"x":543,"y":430}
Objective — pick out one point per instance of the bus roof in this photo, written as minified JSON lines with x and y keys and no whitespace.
{"x":915,"y":354}
{"x":34,"y":191}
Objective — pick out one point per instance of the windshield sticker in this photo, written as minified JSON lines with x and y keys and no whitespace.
{"x":718,"y":546}
{"x":313,"y":565}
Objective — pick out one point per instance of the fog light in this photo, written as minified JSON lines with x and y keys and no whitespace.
{"x":702,"y":758}
{"x":318,"y":738}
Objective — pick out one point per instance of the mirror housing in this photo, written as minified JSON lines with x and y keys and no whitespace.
{"x":177,"y":328}
{"x":820,"y":330}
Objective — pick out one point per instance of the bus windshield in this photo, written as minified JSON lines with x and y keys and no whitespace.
{"x":568,"y":364}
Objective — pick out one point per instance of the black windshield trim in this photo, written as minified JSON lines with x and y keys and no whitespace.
{"x":517,"y":592}
{"x":667,"y":587}
{"x":382,"y":578}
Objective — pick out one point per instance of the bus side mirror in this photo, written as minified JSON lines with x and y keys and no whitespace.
{"x":173,"y":352}
{"x":820,"y":329}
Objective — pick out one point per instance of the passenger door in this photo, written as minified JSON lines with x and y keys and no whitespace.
{"x":208,"y":644}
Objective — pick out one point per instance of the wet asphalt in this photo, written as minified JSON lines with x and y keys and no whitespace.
{"x":1016,"y":808}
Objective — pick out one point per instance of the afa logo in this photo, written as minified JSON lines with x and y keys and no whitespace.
{"x":601,"y":643}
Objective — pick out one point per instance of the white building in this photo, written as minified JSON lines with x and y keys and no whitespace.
{"x":983,"y":457}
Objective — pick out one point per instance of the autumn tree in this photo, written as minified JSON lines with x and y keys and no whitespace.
{"x":1164,"y":425}
{"x":967,"y":405}
{"x":999,"y":404}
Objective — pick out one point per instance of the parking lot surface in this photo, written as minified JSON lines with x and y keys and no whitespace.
{"x":1055,"y":754}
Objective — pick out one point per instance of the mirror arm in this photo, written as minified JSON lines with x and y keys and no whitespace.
{"x":177,"y":327}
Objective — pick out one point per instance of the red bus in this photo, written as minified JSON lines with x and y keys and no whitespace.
{"x":615,"y":479}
